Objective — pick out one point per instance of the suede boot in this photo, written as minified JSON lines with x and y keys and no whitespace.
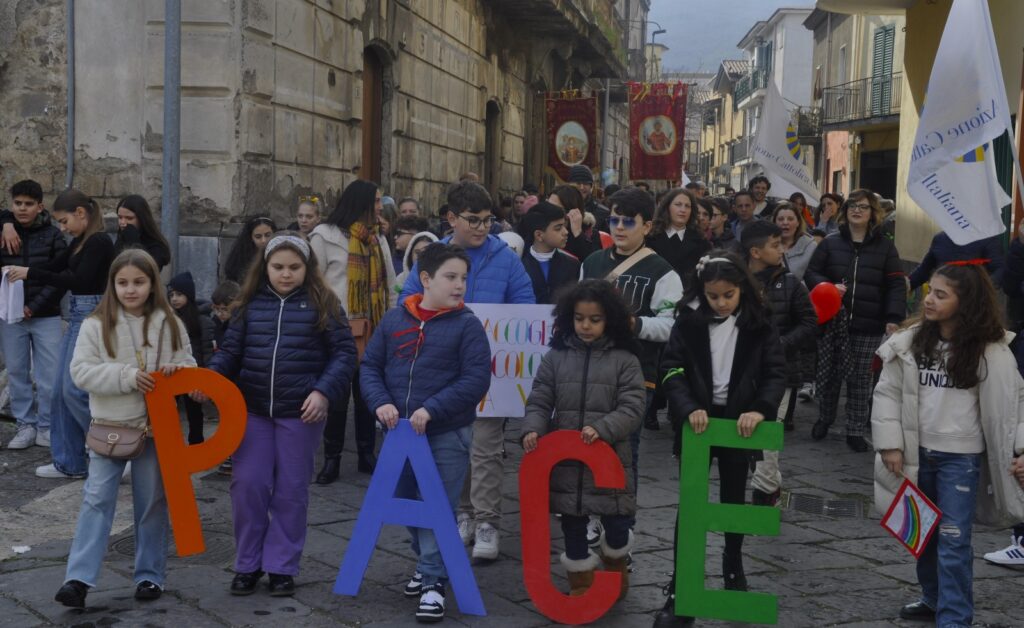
{"x":580,"y":573}
{"x":618,"y":560}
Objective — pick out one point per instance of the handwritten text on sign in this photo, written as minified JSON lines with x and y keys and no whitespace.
{"x":519,"y":337}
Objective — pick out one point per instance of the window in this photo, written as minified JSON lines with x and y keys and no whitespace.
{"x":881,"y":70}
{"x":841,"y":67}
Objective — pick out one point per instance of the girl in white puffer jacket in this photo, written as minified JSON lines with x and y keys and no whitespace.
{"x":947,"y":415}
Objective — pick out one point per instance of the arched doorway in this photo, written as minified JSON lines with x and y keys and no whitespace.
{"x":492,"y":150}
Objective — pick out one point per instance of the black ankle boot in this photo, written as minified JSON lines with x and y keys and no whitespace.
{"x":329,"y":473}
{"x":732,"y":572}
{"x":367,"y":461}
{"x":666,"y":617}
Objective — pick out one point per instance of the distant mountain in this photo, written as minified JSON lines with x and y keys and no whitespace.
{"x":701,"y":34}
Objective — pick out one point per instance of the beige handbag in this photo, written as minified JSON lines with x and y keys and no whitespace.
{"x":116,"y":441}
{"x":121,"y":442}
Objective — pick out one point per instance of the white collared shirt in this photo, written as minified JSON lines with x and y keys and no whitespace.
{"x":672,"y":231}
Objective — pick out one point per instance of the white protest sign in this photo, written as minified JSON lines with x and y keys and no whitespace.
{"x":519,"y":336}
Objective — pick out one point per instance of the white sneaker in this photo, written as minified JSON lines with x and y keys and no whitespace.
{"x":25,"y":438}
{"x":486,"y":547}
{"x":467,"y":528}
{"x":594,"y":531}
{"x":431,"y":608}
{"x":51,"y":472}
{"x":806,"y":392}
{"x":1012,"y":556}
{"x":414,"y":587}
{"x":43,"y":438}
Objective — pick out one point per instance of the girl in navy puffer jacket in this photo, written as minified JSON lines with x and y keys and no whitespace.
{"x":291,"y":353}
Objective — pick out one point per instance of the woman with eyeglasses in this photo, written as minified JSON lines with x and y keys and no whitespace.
{"x":357,"y":266}
{"x":865,"y":268}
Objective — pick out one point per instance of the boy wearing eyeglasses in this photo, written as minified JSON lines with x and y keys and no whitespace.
{"x":496,"y":275}
{"x":648,"y":283}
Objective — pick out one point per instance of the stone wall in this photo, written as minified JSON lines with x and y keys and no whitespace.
{"x":272,"y":96}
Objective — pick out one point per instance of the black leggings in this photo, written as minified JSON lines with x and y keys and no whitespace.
{"x":194,"y":412}
{"x":337,"y":419}
{"x":733,"y":465}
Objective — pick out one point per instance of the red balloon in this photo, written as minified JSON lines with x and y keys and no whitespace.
{"x":827,"y":301}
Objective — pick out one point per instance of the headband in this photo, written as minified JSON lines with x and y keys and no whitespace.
{"x":707,"y":259}
{"x":279,"y":240}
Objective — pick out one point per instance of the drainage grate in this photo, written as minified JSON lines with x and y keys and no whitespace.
{"x":220,"y":548}
{"x":814,"y":505}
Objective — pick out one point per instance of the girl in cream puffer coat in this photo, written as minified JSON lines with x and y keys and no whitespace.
{"x":132,"y":333}
{"x":948,"y":415}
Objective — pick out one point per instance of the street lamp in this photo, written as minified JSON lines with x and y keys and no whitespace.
{"x":660,"y":31}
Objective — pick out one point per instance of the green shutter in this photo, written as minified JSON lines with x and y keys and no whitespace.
{"x":881,"y":70}
{"x":1004,"y":174}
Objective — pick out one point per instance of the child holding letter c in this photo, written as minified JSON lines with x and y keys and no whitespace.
{"x":590,"y":381}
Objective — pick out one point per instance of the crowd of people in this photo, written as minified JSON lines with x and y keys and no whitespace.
{"x":696,"y":303}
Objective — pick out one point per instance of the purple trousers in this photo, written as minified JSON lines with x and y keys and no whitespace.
{"x":270,"y":493}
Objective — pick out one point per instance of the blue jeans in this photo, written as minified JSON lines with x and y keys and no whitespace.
{"x":31,"y":346}
{"x":71,"y":417}
{"x":945,"y":569}
{"x":149,"y":505}
{"x":451,"y":455}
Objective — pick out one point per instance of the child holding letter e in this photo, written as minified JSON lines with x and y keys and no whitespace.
{"x":723,"y":360}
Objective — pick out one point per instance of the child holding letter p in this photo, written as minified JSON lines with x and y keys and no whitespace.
{"x":132,"y":332}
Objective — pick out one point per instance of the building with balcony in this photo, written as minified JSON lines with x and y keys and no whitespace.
{"x":858,"y":74}
{"x":924,"y":22}
{"x":777,"y":50}
{"x":723,"y":128}
{"x":284,"y":98}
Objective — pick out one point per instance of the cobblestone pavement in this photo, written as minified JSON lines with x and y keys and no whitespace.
{"x":838,"y":568}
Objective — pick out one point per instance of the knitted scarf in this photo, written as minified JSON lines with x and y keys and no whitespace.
{"x":367,"y":275}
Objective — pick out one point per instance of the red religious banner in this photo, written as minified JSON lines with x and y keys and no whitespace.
{"x":657,"y":124}
{"x":572,"y":125}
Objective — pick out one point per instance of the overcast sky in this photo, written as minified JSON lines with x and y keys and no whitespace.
{"x":703,"y":32}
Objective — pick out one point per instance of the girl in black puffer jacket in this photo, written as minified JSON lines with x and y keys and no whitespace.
{"x":865,"y":267}
{"x":723,"y":360}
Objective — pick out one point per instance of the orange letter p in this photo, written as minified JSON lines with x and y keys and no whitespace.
{"x":179,"y":461}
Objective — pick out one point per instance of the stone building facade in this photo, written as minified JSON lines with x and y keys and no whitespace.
{"x":283,"y":98}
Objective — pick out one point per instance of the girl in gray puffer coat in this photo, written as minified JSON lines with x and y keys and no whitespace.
{"x":591,"y":382}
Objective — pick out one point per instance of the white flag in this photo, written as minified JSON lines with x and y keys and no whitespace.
{"x":776,"y":146}
{"x":952,"y":171}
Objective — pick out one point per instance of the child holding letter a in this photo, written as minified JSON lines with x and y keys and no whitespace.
{"x":946,"y":414}
{"x":724,"y":360}
{"x":132,"y":332}
{"x":429,"y":361}
{"x":590,"y":381}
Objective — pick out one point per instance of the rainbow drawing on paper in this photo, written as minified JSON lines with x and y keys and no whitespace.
{"x":912,"y":518}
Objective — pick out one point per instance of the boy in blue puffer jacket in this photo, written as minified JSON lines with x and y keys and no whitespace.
{"x":429,"y":361}
{"x":496,"y":275}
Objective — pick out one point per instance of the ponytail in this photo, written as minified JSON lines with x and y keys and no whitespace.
{"x":70,"y":200}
